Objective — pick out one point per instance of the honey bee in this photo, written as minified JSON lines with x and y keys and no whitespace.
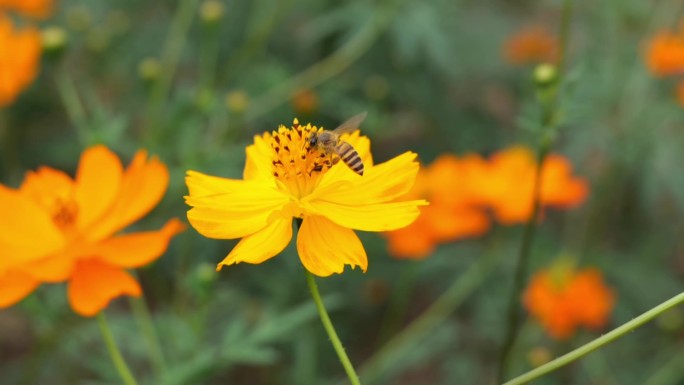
{"x":329,"y":143}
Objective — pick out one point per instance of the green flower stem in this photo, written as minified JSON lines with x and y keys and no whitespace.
{"x":597,"y":343}
{"x":173,"y":47}
{"x":144,"y":319}
{"x":330,"y":329}
{"x":72,"y":104}
{"x":327,"y":68}
{"x":392,"y":352}
{"x":114,"y":352}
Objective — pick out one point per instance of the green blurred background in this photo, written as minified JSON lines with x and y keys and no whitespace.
{"x":193,"y":84}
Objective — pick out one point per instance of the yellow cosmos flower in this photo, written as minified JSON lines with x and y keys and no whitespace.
{"x":285,"y":178}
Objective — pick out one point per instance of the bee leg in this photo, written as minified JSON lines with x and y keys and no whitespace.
{"x":335,"y":160}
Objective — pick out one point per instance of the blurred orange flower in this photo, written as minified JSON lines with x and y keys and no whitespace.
{"x":19,"y":59}
{"x":39,"y":9}
{"x":452,"y":213}
{"x":508,"y":185}
{"x":461,"y":190}
{"x":562,"y":299}
{"x":305,"y":102}
{"x":531,"y":45}
{"x":55,"y":228}
{"x":665,"y":54}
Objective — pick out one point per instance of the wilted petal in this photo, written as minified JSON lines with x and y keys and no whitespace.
{"x":324,"y":247}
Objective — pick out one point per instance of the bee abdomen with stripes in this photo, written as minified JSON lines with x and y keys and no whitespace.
{"x":350,"y":157}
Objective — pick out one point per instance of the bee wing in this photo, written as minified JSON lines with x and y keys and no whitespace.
{"x":351,"y":124}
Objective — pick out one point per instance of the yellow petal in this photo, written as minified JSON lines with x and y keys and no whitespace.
{"x":26,"y":231}
{"x":259,"y":157}
{"x":15,"y":286}
{"x":324,"y":247}
{"x":201,"y":184}
{"x":244,"y":209}
{"x":97,"y":183}
{"x":373,"y":217}
{"x":381,"y":183}
{"x":262,"y":245}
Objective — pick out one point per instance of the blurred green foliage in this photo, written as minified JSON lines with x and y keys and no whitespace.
{"x":156,"y":75}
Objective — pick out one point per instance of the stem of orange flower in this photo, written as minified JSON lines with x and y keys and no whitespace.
{"x":598,"y":343}
{"x":114,"y":352}
{"x":330,"y":329}
{"x":394,"y":350}
{"x":72,"y":104}
{"x":173,"y":47}
{"x":144,"y":319}
{"x":548,"y":90}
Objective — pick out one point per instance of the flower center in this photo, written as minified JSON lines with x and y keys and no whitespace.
{"x":296,"y":162}
{"x":64,"y":213}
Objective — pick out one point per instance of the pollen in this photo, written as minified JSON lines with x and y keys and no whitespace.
{"x":293,"y":156}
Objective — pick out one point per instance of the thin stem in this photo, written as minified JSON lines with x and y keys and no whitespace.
{"x":114,"y":352}
{"x":325,"y":69}
{"x":72,"y":104}
{"x":549,"y":104}
{"x":173,"y":48}
{"x":144,"y":319}
{"x":598,"y":343}
{"x":330,"y":329}
{"x":436,"y":314}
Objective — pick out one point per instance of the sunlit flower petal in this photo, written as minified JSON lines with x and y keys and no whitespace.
{"x":98,"y":167}
{"x":324,"y":247}
{"x":14,"y":286}
{"x":27,"y":232}
{"x":262,"y":245}
{"x":143,"y":185}
{"x":248,"y":207}
{"x":19,"y":58}
{"x":370,"y":217}
{"x":94,"y":284}
{"x":140,"y":248}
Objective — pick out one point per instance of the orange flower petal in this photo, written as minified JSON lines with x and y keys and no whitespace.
{"x":19,"y":59}
{"x":143,"y":185}
{"x":39,"y":9}
{"x":15,"y":286}
{"x":26,"y":231}
{"x":411,"y":242}
{"x":56,"y":267}
{"x":94,"y":284}
{"x":262,"y":245}
{"x":325,"y":247}
{"x":137,"y":249}
{"x":97,"y":183}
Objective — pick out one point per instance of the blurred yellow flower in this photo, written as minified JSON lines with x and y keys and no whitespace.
{"x":285,"y":178}
{"x":39,"y":9}
{"x":55,"y":228}
{"x":19,"y":59}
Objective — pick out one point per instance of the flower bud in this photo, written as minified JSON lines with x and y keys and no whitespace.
{"x":54,"y":40}
{"x":211,"y":11}
{"x":149,"y":69}
{"x":237,"y":101}
{"x":545,"y":75}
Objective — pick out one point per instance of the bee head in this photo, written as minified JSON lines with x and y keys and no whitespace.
{"x":313,"y":140}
